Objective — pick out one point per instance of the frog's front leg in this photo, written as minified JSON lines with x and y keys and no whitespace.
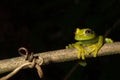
{"x":98,"y":45}
{"x":81,"y":51}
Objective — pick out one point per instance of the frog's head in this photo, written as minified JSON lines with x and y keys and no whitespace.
{"x":84,"y":34}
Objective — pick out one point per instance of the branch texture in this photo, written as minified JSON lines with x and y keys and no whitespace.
{"x":57,"y":56}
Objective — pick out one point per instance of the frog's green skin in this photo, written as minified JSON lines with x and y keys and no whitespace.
{"x":87,"y":42}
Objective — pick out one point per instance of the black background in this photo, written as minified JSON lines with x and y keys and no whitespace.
{"x":44,"y":25}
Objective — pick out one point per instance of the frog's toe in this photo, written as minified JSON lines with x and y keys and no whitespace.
{"x":69,"y":46}
{"x":95,"y":53}
{"x":78,"y":55}
{"x":81,"y":53}
{"x":66,"y":47}
{"x":108,"y":40}
{"x":83,"y":56}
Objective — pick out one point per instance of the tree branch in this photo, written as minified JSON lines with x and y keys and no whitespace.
{"x":57,"y":56}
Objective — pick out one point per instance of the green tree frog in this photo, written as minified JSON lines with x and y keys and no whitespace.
{"x":88,"y":42}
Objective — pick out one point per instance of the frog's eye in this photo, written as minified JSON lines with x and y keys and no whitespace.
{"x":89,"y":32}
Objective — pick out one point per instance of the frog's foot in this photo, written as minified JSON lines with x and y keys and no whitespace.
{"x":96,"y":49}
{"x":81,"y":51}
{"x":108,"y":40}
{"x":93,"y":50}
{"x":69,"y":46}
{"x":83,"y":63}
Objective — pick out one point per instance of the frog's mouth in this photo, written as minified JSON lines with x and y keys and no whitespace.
{"x":84,"y":37}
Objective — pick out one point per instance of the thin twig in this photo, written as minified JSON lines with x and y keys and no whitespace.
{"x":71,"y":71}
{"x":57,"y":56}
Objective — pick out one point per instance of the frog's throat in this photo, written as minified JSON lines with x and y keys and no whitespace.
{"x":88,"y":42}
